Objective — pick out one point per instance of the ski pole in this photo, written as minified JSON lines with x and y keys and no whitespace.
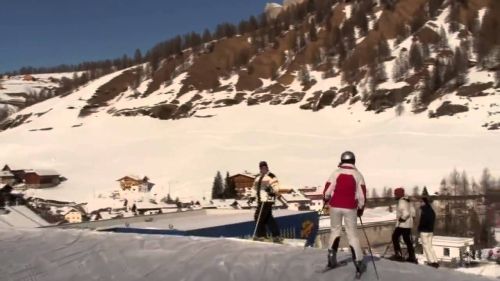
{"x":261,"y":205}
{"x":369,"y":247}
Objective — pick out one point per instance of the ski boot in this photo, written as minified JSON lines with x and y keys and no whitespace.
{"x":278,"y":240}
{"x":332,"y":258}
{"x":360,"y":268}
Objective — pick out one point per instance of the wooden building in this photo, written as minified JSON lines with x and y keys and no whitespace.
{"x":41,"y":178}
{"x":242,"y":182}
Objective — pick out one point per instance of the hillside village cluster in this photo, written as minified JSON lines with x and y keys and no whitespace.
{"x":135,"y":194}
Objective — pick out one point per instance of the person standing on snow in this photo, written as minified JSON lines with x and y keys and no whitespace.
{"x":266,"y":188}
{"x":345,"y":192}
{"x":426,"y":229}
{"x":404,"y":223}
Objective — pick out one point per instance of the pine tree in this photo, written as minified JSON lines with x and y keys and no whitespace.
{"x":384,"y":51}
{"x":137,"y":56}
{"x":416,"y":57}
{"x":229,"y":187}
{"x":374,"y":193}
{"x":460,"y":62}
{"x":464,"y":184}
{"x":363,"y":25}
{"x":389,"y":192}
{"x":313,"y":35}
{"x":434,"y":6}
{"x":454,"y":17}
{"x":253,"y":25}
{"x":380,"y":74}
{"x":218,"y":187}
{"x":475,"y":187}
{"x":443,"y":39}
{"x":349,"y":36}
{"x":425,"y":193}
{"x":443,"y":187}
{"x":426,"y":91}
{"x":401,"y":66}
{"x":437,"y":81}
{"x":497,"y":78}
{"x":455,"y":181}
{"x":304,"y":75}
{"x":485,"y":181}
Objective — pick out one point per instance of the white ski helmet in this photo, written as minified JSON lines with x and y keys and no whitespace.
{"x":348,"y":157}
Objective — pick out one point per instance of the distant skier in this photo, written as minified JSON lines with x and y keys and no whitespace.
{"x":404,"y":216}
{"x":426,"y":229}
{"x":266,"y":188}
{"x":345,"y":191}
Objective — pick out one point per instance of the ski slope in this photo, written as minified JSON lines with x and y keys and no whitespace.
{"x":85,"y":255}
{"x":301,"y":147}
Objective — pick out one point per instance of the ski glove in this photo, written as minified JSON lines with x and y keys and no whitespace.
{"x":360,"y":212}
{"x":327,"y":198}
{"x":401,"y":220}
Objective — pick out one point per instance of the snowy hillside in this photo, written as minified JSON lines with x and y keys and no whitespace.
{"x":302,"y":147}
{"x":84,"y":255}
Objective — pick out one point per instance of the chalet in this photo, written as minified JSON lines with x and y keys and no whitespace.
{"x":41,"y":178}
{"x":315,"y":194}
{"x":135,"y":184}
{"x":448,"y":248}
{"x":7,"y":177}
{"x":73,"y":216}
{"x":296,"y":201}
{"x":28,"y":77}
{"x":242,"y":182}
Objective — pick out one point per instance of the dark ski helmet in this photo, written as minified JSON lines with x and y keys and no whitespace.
{"x":348,"y":157}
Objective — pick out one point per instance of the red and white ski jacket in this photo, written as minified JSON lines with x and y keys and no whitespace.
{"x":346,"y":188}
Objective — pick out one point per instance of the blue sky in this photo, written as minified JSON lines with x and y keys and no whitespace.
{"x":52,"y":32}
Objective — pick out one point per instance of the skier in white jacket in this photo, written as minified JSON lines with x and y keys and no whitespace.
{"x":405,"y":214}
{"x":266,"y":189}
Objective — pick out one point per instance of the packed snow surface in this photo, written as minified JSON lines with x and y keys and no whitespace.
{"x":52,"y":255}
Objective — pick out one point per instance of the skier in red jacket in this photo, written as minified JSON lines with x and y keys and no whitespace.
{"x":345,"y":191}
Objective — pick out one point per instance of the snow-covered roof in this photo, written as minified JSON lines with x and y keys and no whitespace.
{"x":149,"y":205}
{"x":220,"y":259}
{"x":133,"y":177}
{"x":5,"y":174}
{"x":21,"y":217}
{"x":448,"y":241}
{"x":294,"y":197}
{"x":246,"y":174}
{"x":43,"y":172}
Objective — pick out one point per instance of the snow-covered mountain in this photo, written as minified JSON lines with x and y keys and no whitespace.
{"x":294,"y":101}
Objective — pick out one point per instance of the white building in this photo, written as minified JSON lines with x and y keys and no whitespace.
{"x":315,"y":194}
{"x":73,"y":216}
{"x":448,"y":248}
{"x":296,"y":201}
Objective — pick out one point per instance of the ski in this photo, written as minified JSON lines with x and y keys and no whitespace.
{"x":328,"y":268}
{"x":360,"y":271}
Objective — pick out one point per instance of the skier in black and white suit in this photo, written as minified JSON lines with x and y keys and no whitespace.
{"x":266,"y":188}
